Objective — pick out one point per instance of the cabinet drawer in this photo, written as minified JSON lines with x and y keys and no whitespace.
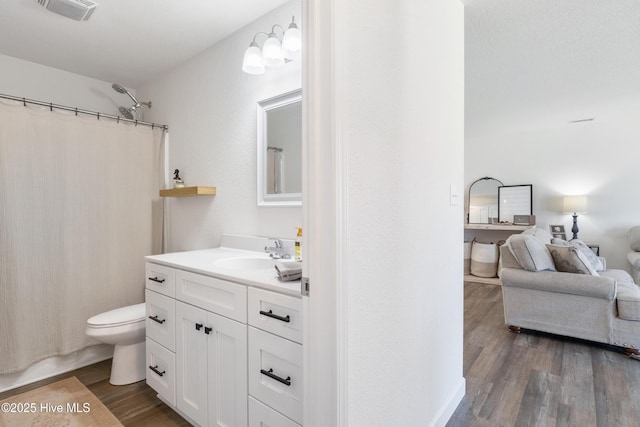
{"x":162,"y":378}
{"x":275,"y":372}
{"x":161,"y":315}
{"x":219,"y":296}
{"x":160,"y":279}
{"x":276,"y":313}
{"x":260,"y":415}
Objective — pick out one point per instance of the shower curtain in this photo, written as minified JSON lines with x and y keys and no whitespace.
{"x":79,"y":209}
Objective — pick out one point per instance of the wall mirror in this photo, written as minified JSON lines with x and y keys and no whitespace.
{"x":514,"y":200}
{"x":280,"y":150}
{"x":483,"y":201}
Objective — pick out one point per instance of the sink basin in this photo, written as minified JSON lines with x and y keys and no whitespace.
{"x":245,"y":263}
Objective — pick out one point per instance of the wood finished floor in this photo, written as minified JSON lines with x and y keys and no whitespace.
{"x":536,"y":379}
{"x":530,"y":379}
{"x":134,"y":405}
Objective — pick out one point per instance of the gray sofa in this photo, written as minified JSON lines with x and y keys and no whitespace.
{"x":601,"y":306}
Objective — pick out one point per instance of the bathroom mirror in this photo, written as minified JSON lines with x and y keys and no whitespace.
{"x":483,"y":201}
{"x":280,"y":150}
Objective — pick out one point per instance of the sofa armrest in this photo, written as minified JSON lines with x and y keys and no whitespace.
{"x":565,"y":283}
{"x":634,"y":259}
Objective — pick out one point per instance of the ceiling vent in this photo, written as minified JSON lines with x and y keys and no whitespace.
{"x":80,"y":10}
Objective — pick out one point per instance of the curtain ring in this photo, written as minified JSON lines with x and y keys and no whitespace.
{"x":24,"y":102}
{"x":153,"y":125}
{"x":118,"y":120}
{"x":98,"y":115}
{"x":136,"y":123}
{"x":51,"y":106}
{"x":76,"y":111}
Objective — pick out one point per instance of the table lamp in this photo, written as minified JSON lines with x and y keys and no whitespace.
{"x":575,"y":205}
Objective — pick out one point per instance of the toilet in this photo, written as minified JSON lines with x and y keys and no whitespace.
{"x":125,"y":329}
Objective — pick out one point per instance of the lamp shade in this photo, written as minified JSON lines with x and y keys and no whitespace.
{"x":292,"y":42}
{"x":272,"y":52}
{"x":575,"y":204}
{"x":252,"y":62}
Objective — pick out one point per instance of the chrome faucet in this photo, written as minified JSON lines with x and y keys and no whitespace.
{"x":276,"y":251}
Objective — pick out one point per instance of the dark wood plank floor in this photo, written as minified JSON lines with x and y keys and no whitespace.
{"x":530,"y":379}
{"x":536,"y":379}
{"x":134,"y":405}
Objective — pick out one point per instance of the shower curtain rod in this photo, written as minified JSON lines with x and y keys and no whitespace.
{"x":51,"y":106}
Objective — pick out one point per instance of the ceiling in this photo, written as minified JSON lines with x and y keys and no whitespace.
{"x":125,"y":41}
{"x":555,"y":60}
{"x":541,"y":63}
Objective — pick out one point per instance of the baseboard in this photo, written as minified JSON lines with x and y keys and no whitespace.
{"x":451,"y":405}
{"x":56,"y":365}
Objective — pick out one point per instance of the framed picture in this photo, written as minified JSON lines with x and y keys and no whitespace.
{"x":557,"y":232}
{"x":514,"y":200}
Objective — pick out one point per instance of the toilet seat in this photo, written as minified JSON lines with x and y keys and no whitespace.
{"x":118,"y":317}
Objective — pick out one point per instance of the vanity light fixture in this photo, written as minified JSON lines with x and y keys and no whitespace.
{"x":274,"y":52}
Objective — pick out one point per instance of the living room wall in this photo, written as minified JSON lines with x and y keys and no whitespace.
{"x":597,"y":158}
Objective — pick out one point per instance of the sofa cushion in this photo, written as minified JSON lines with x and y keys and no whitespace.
{"x":530,"y":252}
{"x":595,"y":261}
{"x":539,"y":233}
{"x":628,"y":301}
{"x":569,"y":259}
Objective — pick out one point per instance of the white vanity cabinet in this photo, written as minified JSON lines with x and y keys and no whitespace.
{"x":223,"y":353}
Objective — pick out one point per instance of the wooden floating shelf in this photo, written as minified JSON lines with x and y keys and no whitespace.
{"x":188,"y":191}
{"x":497,"y":227}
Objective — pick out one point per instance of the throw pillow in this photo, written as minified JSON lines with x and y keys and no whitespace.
{"x":588,"y":253}
{"x":531,"y":253}
{"x":569,"y":259}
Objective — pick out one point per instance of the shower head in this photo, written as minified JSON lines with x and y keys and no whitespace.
{"x":126,"y":112}
{"x":118,"y":88}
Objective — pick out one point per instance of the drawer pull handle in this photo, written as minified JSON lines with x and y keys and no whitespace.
{"x":198,"y":326}
{"x":155,"y":369}
{"x":270,"y":374}
{"x":275,"y":316}
{"x":155,"y":279}
{"x":155,"y":319}
{"x":207,"y":330}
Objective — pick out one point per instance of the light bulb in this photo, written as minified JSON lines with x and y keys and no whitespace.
{"x":292,"y":42}
{"x":272,"y":52}
{"x":252,"y":62}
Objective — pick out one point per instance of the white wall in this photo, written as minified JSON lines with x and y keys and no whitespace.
{"x":209,"y":104}
{"x":34,"y":81}
{"x":598,"y":158}
{"x":403,"y":127}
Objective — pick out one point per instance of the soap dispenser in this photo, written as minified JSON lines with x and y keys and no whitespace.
{"x":298,"y":245}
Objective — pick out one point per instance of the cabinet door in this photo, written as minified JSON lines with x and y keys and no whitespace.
{"x":227,"y":355}
{"x":191,"y":362}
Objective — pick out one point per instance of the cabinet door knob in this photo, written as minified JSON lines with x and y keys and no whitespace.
{"x":207,"y":330}
{"x":198,"y":326}
{"x":275,"y":316}
{"x":270,"y":374}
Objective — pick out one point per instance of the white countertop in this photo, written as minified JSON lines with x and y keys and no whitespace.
{"x":203,"y":262}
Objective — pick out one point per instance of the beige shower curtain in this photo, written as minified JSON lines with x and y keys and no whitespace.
{"x":79,"y":209}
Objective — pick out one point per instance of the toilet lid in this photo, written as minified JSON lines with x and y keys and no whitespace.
{"x":119,"y":316}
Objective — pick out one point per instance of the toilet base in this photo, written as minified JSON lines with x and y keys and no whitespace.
{"x":128,"y":364}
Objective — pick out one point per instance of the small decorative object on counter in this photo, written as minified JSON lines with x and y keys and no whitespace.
{"x":298,"y":245}
{"x":177,"y":181}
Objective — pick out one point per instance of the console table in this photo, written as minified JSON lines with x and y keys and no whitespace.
{"x":488,"y":230}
